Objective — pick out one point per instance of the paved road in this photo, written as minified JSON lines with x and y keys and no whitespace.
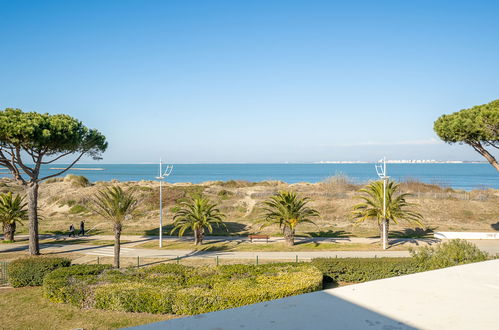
{"x":107,"y":251}
{"x":128,"y":250}
{"x":136,"y":239}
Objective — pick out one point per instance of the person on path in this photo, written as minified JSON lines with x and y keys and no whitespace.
{"x":72,"y":231}
{"x":82,"y":228}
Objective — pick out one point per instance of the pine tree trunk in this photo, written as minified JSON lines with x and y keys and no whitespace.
{"x":32,"y":192}
{"x":289,"y":235}
{"x":117,"y":235}
{"x":482,"y":151}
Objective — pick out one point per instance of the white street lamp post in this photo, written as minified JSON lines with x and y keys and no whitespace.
{"x":381,"y":171}
{"x":161,"y":177}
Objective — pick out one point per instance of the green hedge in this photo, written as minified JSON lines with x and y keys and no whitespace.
{"x":30,"y":271}
{"x":179,"y":289}
{"x":451,"y":253}
{"x":72,"y":284}
{"x":364,"y":269}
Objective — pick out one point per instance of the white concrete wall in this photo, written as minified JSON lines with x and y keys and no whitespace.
{"x":465,"y":235}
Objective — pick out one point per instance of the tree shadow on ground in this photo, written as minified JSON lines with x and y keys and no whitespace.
{"x":330,"y":233}
{"x":413,"y":233}
{"x":495,"y":226}
{"x":232,"y":229}
{"x":413,"y":236}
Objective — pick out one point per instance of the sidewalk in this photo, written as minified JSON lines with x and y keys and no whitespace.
{"x":128,"y":250}
{"x":138,"y":239}
{"x":107,"y":251}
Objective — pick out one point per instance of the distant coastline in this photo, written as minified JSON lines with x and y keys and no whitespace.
{"x":465,"y":176}
{"x":78,"y":169}
{"x":403,"y":161}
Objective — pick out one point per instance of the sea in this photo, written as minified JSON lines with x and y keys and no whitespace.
{"x":463,"y":176}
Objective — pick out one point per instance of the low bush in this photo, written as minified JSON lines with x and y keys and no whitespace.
{"x":224,"y":194}
{"x":71,"y":284}
{"x":447,"y":254}
{"x":452,"y":253}
{"x":30,"y":271}
{"x":135,"y":297}
{"x":77,"y":180}
{"x":171,"y":288}
{"x":364,"y":269}
{"x":75,"y":209}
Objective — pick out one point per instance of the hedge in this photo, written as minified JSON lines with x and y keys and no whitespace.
{"x":71,"y":284}
{"x":364,"y":269}
{"x":30,"y":271}
{"x":179,"y":289}
{"x":452,"y":253}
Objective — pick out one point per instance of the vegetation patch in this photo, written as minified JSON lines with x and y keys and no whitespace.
{"x":78,"y":208}
{"x":77,"y":180}
{"x":179,"y":289}
{"x":364,"y":269}
{"x":30,"y":271}
{"x":455,"y":252}
{"x":28,"y":309}
{"x":452,"y":253}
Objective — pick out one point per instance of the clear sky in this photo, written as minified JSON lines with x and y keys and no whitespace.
{"x":253,"y":81}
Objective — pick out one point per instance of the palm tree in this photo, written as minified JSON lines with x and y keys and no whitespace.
{"x":287,"y":210}
{"x":116,"y":206}
{"x":12,"y":210}
{"x":197,"y":214}
{"x":397,"y":207}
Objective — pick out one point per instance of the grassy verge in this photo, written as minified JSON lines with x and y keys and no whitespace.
{"x":28,"y":309}
{"x":266,"y":247}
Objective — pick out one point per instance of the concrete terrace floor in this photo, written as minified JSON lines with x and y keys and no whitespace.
{"x":461,"y":297}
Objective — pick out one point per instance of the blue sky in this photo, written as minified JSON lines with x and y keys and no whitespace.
{"x":253,"y":81}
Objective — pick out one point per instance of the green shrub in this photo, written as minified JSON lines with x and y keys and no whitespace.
{"x":30,"y":271}
{"x":452,"y":253}
{"x":171,"y":288}
{"x":224,"y":194}
{"x":77,"y":180}
{"x":77,"y":209}
{"x":71,"y":284}
{"x":364,"y":269}
{"x":239,"y":285}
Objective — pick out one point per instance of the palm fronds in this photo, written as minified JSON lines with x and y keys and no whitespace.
{"x":196,"y":214}
{"x":114,"y":204}
{"x":287,"y":210}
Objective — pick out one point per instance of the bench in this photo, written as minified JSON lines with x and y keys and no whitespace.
{"x":265,"y":237}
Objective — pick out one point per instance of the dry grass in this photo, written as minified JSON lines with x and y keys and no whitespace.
{"x":267,"y":247}
{"x":62,"y":203}
{"x":28,"y":309}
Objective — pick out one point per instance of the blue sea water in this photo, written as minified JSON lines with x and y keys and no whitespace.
{"x":459,"y":176}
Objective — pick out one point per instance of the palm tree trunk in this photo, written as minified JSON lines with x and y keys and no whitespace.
{"x":117,"y":235}
{"x":383,"y":227}
{"x":32,"y":192}
{"x":198,"y":236}
{"x":9,"y":230}
{"x":289,"y":235}
{"x":387,"y":228}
